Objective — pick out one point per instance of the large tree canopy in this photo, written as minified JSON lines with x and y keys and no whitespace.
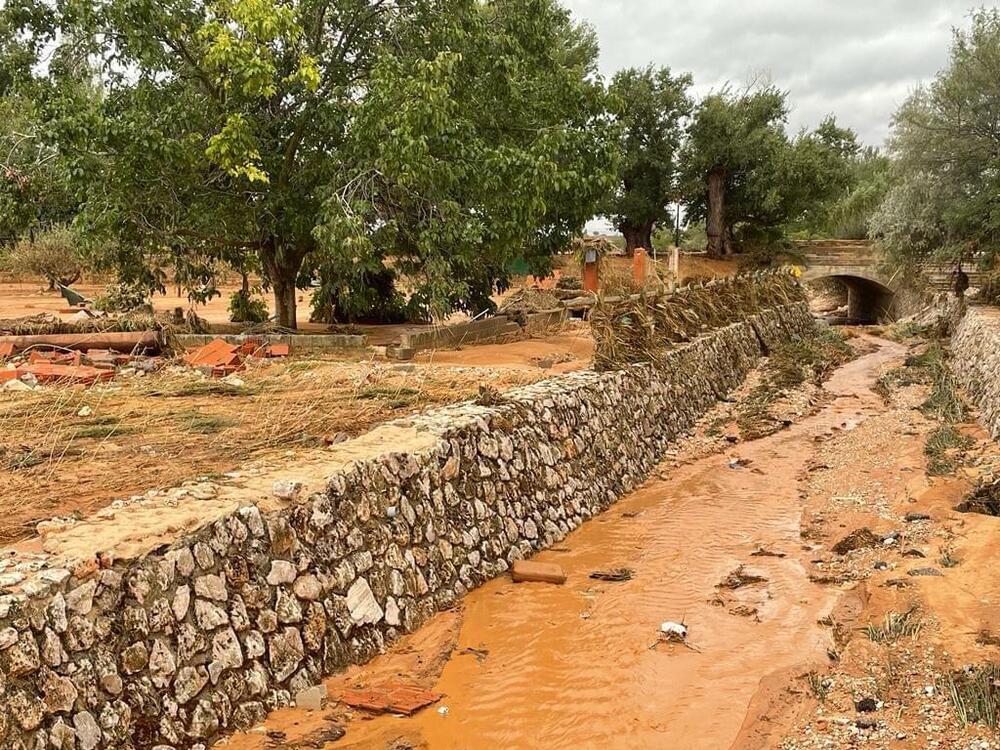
{"x":436,"y":139}
{"x":648,"y":106}
{"x":946,"y":148}
{"x":748,"y":180}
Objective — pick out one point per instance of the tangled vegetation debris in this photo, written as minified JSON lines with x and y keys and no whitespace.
{"x":984,"y":499}
{"x":642,"y":328}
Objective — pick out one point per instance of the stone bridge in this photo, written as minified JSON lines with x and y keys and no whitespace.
{"x":871,"y":292}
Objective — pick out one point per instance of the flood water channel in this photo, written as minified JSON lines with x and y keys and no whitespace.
{"x":578,"y":665}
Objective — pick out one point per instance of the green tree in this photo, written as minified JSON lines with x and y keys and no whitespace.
{"x":847,"y":215}
{"x":435,"y":137}
{"x":945,"y":146}
{"x":747,"y":180}
{"x":35,"y":186}
{"x":648,"y":106}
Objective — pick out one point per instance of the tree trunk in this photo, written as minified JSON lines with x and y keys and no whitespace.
{"x":715,"y":225}
{"x":282,"y":265}
{"x":637,"y":236}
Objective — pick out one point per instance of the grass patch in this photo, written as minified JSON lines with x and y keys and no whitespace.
{"x":900,"y":332}
{"x":929,"y":367}
{"x":24,"y":459}
{"x":948,"y":560}
{"x":99,"y":428}
{"x":943,"y":403}
{"x":199,"y":388}
{"x":819,"y":686}
{"x":943,"y":450}
{"x":393,"y":395}
{"x":99,"y":431}
{"x":975,"y":695}
{"x":204,"y":424}
{"x":809,"y":358}
{"x":894,"y":626}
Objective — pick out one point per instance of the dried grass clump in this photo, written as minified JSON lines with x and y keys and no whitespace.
{"x":44,"y":324}
{"x":643,"y":327}
{"x":975,"y":694}
{"x":896,"y":625}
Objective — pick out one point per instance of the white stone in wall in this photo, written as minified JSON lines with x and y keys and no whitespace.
{"x":361,"y":602}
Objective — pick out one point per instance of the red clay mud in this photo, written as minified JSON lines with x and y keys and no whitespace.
{"x":572,"y":666}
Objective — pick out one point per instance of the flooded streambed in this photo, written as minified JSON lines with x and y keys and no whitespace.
{"x":574,"y":666}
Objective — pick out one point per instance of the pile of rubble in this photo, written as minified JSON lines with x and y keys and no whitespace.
{"x":45,"y":364}
{"x":219,"y":358}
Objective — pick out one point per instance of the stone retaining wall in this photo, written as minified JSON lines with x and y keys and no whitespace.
{"x":210,"y":632}
{"x":975,"y":359}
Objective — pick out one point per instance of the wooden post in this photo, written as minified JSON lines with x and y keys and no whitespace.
{"x":675,"y":266}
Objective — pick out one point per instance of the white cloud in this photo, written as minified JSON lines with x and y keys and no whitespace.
{"x":856,"y":58}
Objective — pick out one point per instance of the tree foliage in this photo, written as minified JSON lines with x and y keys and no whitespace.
{"x":748,"y":180}
{"x":648,"y":105}
{"x":847,"y":215}
{"x":35,"y":185}
{"x":430,"y":139}
{"x":945,"y":144}
{"x":52,"y":253}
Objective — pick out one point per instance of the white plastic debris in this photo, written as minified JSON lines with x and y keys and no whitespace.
{"x":234,"y":381}
{"x":674,"y":629}
{"x":85,"y":411}
{"x":443,"y":710}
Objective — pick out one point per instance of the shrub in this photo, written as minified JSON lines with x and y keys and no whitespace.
{"x":246,"y":309}
{"x":53,"y":254}
{"x":124,"y":296}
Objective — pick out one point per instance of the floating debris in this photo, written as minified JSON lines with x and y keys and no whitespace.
{"x":615,"y":574}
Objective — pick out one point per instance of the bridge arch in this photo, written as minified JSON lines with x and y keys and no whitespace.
{"x":869,"y":300}
{"x":855,"y":266}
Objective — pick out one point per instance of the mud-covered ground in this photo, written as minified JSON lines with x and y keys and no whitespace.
{"x":791,"y":644}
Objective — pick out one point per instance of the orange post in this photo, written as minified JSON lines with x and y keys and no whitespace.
{"x":639,"y":266}
{"x":591,"y":278}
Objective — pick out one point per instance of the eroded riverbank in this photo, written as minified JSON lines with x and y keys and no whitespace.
{"x":572,"y":666}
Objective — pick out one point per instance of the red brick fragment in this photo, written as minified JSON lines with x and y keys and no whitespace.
{"x":45,"y":372}
{"x":526,"y":570}
{"x":216,"y":353}
{"x":392,"y":697}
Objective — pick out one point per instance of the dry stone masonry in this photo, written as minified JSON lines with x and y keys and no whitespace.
{"x":975,"y":359}
{"x":206,"y":634}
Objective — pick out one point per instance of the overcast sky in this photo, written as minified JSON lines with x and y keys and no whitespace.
{"x":856,"y":58}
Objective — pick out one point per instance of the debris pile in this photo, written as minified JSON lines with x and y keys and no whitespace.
{"x":35,"y":366}
{"x":219,"y":358}
{"x":529,"y":300}
{"x":642,"y":328}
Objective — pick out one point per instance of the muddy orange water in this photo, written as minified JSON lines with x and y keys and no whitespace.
{"x":541,"y":666}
